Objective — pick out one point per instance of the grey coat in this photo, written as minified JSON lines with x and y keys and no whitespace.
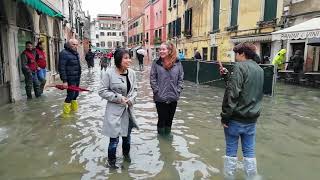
{"x":117,"y":116}
{"x":166,"y":84}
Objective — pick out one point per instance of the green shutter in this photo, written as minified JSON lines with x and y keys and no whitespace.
{"x":234,"y":13}
{"x":216,"y":14}
{"x":270,"y":10}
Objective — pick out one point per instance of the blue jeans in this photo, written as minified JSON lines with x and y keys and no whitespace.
{"x":247,"y":133}
{"x":42,"y":73}
{"x":112,"y":149}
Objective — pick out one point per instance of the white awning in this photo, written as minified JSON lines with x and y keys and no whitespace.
{"x":305,"y":30}
{"x":251,"y":39}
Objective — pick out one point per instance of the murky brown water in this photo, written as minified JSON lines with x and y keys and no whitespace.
{"x":37,"y":143}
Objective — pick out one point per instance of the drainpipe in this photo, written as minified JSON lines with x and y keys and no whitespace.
{"x":177,"y":12}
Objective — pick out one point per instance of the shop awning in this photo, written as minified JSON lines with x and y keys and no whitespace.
{"x":42,"y":7}
{"x":306,"y":30}
{"x":314,"y":42}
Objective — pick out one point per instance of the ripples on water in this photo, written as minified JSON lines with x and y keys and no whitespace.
{"x":36,"y":142}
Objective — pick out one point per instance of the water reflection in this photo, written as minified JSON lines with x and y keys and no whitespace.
{"x":37,"y":142}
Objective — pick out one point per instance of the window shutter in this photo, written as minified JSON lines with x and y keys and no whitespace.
{"x":216,"y":14}
{"x":234,"y":12}
{"x":270,"y":10}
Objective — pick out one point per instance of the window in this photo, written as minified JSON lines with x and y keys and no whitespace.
{"x":214,"y":53}
{"x":174,"y":28}
{"x":178,"y":28}
{"x":97,"y":44}
{"x":147,"y":37}
{"x":114,"y":34}
{"x":108,"y":33}
{"x":156,"y":33}
{"x":205,"y":54}
{"x":103,"y":44}
{"x":97,"y":36}
{"x":216,"y":15}
{"x":270,"y":10}
{"x":234,"y":13}
{"x":109,"y":44}
{"x":188,"y":22}
{"x":160,"y":33}
{"x":170,"y":30}
{"x":101,"y":33}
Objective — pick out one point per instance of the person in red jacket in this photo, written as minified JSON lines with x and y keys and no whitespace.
{"x":29,"y":68}
{"x":42,"y":63}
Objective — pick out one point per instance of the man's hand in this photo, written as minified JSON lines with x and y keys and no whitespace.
{"x":224,"y":125}
{"x":65,"y":85}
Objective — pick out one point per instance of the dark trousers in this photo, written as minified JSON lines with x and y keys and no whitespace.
{"x":72,"y":95}
{"x":112,"y":149}
{"x":31,"y":79}
{"x":166,"y":113}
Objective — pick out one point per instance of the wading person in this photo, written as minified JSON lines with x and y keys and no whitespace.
{"x":42,"y":63}
{"x":70,"y":74}
{"x":119,"y":88}
{"x":90,"y":60}
{"x":166,"y":79}
{"x":104,"y":62}
{"x":29,"y":68}
{"x":241,"y":108}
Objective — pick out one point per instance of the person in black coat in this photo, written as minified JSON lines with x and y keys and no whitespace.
{"x":90,"y":59}
{"x":297,"y":61}
{"x":70,"y":73}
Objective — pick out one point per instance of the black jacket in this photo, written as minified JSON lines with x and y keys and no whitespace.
{"x":243,"y":94}
{"x":69,"y":65}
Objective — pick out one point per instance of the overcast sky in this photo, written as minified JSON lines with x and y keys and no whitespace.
{"x":101,"y":7}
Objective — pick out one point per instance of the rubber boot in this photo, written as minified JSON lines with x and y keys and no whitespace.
{"x":161,"y":131}
{"x":230,"y":167}
{"x":66,"y":108}
{"x":126,"y":152}
{"x":112,"y":164}
{"x":167,"y":130}
{"x":74,"y":105}
{"x":250,"y":167}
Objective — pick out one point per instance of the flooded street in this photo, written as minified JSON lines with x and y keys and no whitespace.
{"x":36,"y":142}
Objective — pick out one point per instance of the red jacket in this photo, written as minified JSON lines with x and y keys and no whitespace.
{"x":41,"y":58}
{"x":31,"y":63}
{"x":109,"y":55}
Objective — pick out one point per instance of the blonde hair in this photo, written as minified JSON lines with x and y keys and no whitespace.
{"x":172,"y":52}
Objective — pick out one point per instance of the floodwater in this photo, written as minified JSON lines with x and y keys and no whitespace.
{"x":36,"y":142}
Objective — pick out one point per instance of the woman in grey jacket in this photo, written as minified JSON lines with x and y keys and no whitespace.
{"x":119,"y":87}
{"x":166,"y":79}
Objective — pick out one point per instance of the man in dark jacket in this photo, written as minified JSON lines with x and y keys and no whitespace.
{"x":29,"y":68}
{"x":241,"y":108}
{"x":70,"y":73}
{"x":297,"y":61}
{"x":90,"y":60}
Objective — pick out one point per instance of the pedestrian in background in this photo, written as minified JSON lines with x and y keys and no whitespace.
{"x":197,"y":56}
{"x":241,"y":108}
{"x":297,"y":61}
{"x":166,"y":79}
{"x":181,"y":55}
{"x":140,"y":56}
{"x":104,"y":62}
{"x":119,"y":87}
{"x":70,"y":74}
{"x":90,"y":60}
{"x":29,"y":69}
{"x":280,"y":59}
{"x":41,"y":60}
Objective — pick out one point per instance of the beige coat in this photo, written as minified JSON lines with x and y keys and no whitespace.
{"x":118,"y":116}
